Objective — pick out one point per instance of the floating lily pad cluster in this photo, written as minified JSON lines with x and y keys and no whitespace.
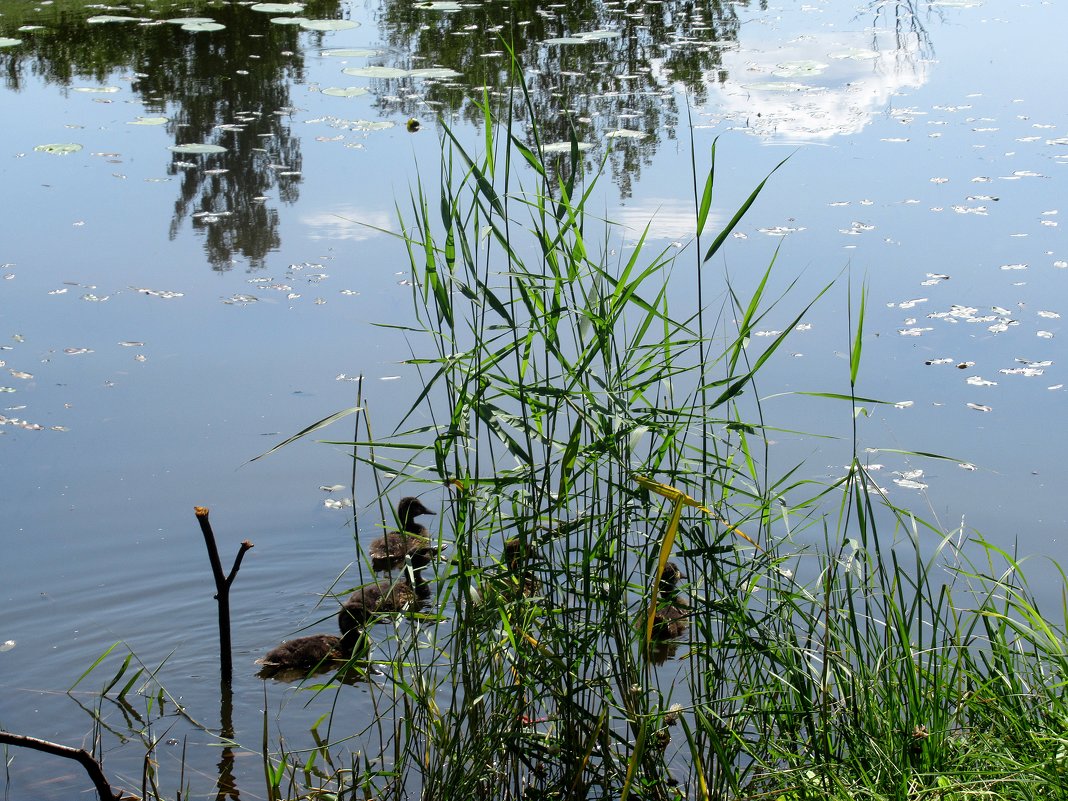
{"x":59,"y":149}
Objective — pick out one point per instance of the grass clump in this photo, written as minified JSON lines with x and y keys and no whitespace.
{"x":600,"y":415}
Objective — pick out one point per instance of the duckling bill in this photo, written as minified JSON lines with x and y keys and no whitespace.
{"x":389,"y":550}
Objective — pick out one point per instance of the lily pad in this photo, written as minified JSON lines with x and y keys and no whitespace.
{"x":59,"y":149}
{"x":399,"y":72}
{"x":434,"y":72}
{"x":773,"y":86}
{"x":797,"y":69}
{"x":8,"y":42}
{"x":585,"y":37}
{"x":855,"y":54}
{"x":197,"y":148}
{"x":148,"y":121}
{"x":564,"y":147}
{"x":279,"y":8}
{"x":440,"y":5}
{"x":188,"y":20}
{"x":376,"y":72}
{"x":626,"y":133}
{"x":593,"y":36}
{"x":101,"y":18}
{"x":329,"y":24}
{"x":348,"y":91}
{"x":373,"y":125}
{"x":198,"y":27}
{"x":351,"y":52}
{"x":27,"y":28}
{"x":288,"y":20}
{"x":99,"y":90}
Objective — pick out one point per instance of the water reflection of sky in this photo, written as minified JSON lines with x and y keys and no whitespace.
{"x":942,"y":156}
{"x":347,"y":222}
{"x":815,"y":86}
{"x":820,"y":71}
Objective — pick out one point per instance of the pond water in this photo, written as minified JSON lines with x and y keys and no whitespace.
{"x":168,"y":314}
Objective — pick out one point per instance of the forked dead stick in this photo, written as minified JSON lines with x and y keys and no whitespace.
{"x":222,"y":589}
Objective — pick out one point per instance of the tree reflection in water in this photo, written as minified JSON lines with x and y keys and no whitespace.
{"x":230,"y":87}
{"x":625,"y":80}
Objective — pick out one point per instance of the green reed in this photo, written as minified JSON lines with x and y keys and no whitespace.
{"x":553,"y":379}
{"x":603,"y":411}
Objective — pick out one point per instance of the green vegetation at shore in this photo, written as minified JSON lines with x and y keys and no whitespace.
{"x":600,"y":414}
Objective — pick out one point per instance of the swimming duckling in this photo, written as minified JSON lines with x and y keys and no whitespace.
{"x":304,"y":652}
{"x":390,"y":550}
{"x":669,"y":622}
{"x":370,"y":603}
{"x":672,"y":610}
{"x":515,"y":559}
{"x":669,"y":581}
{"x":301,"y":657}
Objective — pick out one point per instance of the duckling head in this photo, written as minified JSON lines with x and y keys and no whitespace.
{"x":669,"y":580}
{"x":408,"y":509}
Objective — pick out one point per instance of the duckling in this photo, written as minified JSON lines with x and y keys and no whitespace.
{"x":317,"y":653}
{"x":672,"y":611}
{"x":669,"y":622}
{"x":304,"y":652}
{"x":669,"y":581}
{"x":514,"y":557}
{"x":390,"y":550}
{"x":369,"y":603}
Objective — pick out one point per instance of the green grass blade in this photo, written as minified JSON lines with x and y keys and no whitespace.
{"x":706,"y":196}
{"x":858,"y":339}
{"x":96,"y":662}
{"x":333,"y":418}
{"x":721,"y":238}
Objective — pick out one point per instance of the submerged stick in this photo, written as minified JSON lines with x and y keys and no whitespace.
{"x":222,"y":589}
{"x":80,"y":755}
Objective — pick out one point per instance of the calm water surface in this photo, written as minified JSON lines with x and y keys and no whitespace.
{"x":166,"y":316}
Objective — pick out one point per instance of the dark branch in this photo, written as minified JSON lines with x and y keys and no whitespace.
{"x":222,"y":588}
{"x":245,"y":545}
{"x":92,"y":767}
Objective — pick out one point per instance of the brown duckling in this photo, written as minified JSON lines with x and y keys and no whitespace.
{"x":371,"y":603}
{"x":304,"y":652}
{"x":317,"y":653}
{"x":672,"y":610}
{"x":515,"y":558}
{"x":669,"y":621}
{"x":390,"y":550}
